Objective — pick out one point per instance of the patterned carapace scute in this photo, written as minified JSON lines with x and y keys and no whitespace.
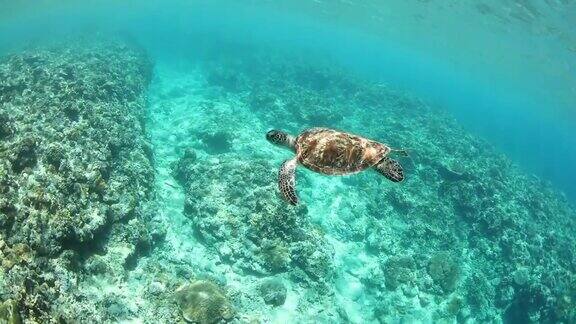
{"x":332,"y":152}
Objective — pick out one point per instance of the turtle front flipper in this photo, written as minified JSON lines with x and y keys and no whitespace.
{"x":287,"y":181}
{"x":391,"y":169}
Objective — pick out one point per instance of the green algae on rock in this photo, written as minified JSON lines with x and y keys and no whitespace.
{"x":9,"y":312}
{"x":17,"y":254}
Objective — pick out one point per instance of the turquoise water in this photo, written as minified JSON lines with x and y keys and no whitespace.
{"x":137,"y":184}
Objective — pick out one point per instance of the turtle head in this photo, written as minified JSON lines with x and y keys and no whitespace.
{"x":281,"y":138}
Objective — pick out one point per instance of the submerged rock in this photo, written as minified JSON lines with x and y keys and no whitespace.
{"x":444,"y":271}
{"x":273,"y":291}
{"x":6,"y":128}
{"x":203,"y":302}
{"x":399,"y":270}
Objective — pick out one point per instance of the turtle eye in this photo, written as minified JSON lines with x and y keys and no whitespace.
{"x":271,"y":136}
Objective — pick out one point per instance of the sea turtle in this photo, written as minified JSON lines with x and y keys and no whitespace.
{"x":332,"y":152}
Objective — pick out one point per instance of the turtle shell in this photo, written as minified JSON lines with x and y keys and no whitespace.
{"x":333,"y":152}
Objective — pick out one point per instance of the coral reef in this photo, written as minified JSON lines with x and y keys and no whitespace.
{"x":74,"y":166}
{"x":236,"y":211}
{"x":78,"y":117}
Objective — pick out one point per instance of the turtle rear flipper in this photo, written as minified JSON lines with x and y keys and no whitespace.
{"x":391,"y":169}
{"x":287,"y":181}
